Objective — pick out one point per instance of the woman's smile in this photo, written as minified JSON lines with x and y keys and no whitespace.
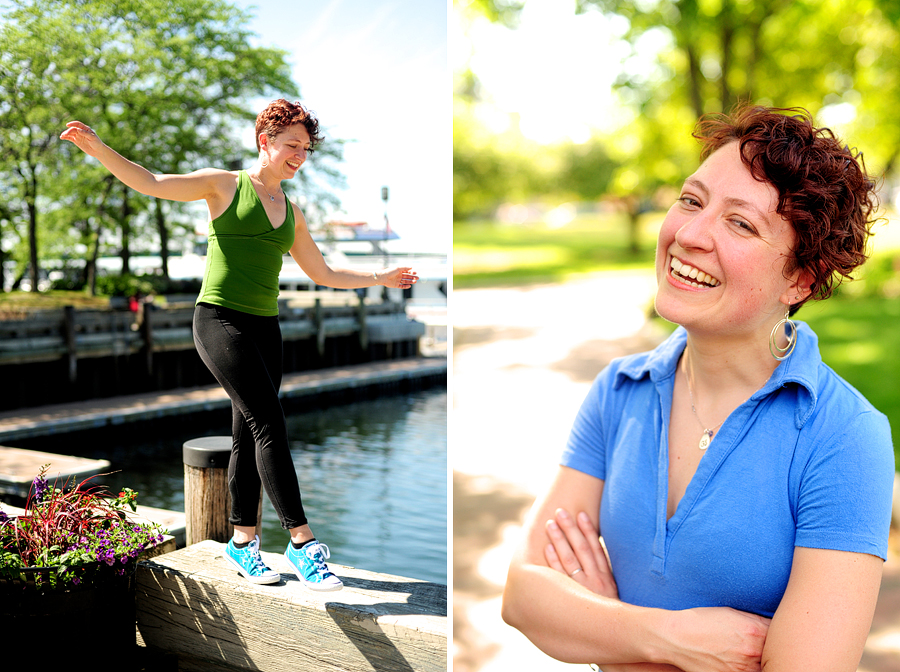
{"x":690,"y":275}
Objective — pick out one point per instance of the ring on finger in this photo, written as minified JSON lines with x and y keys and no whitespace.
{"x":575,"y":572}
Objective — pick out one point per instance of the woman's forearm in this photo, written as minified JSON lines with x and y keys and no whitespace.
{"x":345,"y":278}
{"x":574,"y":625}
{"x":569,"y":622}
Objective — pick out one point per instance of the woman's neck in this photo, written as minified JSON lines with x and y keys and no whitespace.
{"x":271,"y":183}
{"x":717,"y":368}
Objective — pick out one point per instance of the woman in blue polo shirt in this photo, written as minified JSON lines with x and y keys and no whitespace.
{"x":742,"y":488}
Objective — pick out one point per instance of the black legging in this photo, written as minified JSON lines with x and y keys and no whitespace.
{"x":244,"y":353}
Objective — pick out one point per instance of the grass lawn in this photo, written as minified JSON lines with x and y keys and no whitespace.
{"x":491,"y":254}
{"x":859,"y":337}
{"x":11,"y":302}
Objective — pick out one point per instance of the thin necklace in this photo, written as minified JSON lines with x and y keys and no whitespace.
{"x":263,"y":185}
{"x":708,"y":432}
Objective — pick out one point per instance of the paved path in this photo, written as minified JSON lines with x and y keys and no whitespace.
{"x":523,"y":360}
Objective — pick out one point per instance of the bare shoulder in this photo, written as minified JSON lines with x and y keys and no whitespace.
{"x":218,"y":180}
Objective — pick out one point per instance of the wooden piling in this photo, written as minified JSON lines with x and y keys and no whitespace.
{"x":207,"y":501}
{"x":206,"y":498}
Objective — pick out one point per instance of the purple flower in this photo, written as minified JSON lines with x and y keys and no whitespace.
{"x":40,"y":486}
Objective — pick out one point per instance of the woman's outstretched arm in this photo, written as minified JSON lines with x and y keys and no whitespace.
{"x":208,"y":184}
{"x":308,"y":257}
{"x":570,"y":622}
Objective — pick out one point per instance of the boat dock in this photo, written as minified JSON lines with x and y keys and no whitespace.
{"x":192,"y":606}
{"x":27,"y":423}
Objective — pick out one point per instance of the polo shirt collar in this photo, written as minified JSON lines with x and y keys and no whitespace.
{"x":800,"y":369}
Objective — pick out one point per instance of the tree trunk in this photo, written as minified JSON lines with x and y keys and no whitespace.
{"x":694,"y":83}
{"x":633,"y":207}
{"x":126,"y":232}
{"x":163,"y":238}
{"x":32,"y":233}
{"x":727,"y":36}
{"x":90,"y":266}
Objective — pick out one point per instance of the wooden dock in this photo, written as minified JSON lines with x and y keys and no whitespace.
{"x":18,"y":468}
{"x":192,"y":605}
{"x":28,"y":423}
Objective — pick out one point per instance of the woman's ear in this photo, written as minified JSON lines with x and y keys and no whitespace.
{"x":800,"y":288}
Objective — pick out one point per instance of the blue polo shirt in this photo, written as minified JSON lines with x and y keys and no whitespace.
{"x":806,"y":461}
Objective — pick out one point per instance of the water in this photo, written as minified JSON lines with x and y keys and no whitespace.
{"x":373,"y":476}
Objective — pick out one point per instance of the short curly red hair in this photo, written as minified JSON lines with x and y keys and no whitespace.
{"x":279,"y":114}
{"x":823,"y":188}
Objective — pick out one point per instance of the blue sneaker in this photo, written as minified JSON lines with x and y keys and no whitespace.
{"x":249,"y":563}
{"x":309,"y":565}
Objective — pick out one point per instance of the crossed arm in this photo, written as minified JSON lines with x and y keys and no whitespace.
{"x":821,"y":624}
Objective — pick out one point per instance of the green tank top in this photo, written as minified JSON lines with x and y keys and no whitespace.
{"x":244,"y":254}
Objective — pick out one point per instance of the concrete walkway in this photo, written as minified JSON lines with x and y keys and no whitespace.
{"x":70,"y":417}
{"x":523,"y":360}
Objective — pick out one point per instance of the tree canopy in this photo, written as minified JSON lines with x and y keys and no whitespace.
{"x":168,"y":85}
{"x":838,"y":59}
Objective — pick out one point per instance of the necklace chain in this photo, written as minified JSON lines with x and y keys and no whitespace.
{"x":708,"y":432}
{"x":263,"y":185}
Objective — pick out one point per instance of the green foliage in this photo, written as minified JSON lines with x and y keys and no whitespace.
{"x":166,"y":84}
{"x":78,"y":531}
{"x":132,"y":285}
{"x":836,"y":56}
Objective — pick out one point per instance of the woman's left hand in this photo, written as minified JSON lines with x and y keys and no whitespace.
{"x":402,"y":277}
{"x":575,"y":551}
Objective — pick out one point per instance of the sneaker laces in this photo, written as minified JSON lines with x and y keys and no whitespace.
{"x":318,"y":553}
{"x":255,"y":557}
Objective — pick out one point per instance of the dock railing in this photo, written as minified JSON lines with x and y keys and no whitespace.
{"x":69,"y":333}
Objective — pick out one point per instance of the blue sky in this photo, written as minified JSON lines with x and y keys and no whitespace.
{"x":376,"y":71}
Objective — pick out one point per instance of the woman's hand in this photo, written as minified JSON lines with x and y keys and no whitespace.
{"x":575,"y":550}
{"x":83,"y":137}
{"x":402,"y":277}
{"x":718,"y":639}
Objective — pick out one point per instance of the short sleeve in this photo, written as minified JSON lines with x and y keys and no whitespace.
{"x":846,"y":488}
{"x":585,"y":450}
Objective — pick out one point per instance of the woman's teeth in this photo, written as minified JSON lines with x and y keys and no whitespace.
{"x":692,"y":276}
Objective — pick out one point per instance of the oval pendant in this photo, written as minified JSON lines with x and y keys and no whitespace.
{"x":704,"y":441}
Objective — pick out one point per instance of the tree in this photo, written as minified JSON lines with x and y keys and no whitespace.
{"x":718,"y":52}
{"x":166,"y":84}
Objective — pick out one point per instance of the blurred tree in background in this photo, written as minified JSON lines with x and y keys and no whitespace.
{"x":166,"y":84}
{"x":838,"y":59}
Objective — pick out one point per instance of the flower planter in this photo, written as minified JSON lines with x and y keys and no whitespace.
{"x":96,"y":615}
{"x":81,"y":600}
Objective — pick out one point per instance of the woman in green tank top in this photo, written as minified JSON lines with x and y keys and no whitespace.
{"x":252,"y":225}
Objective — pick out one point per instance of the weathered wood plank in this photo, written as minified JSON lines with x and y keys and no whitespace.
{"x":18,"y":467}
{"x":193,"y":604}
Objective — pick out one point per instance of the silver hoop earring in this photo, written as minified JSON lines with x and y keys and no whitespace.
{"x":266,"y":164}
{"x":779,"y":353}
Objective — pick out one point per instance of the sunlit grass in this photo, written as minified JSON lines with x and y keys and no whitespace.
{"x":10,"y":301}
{"x":490,"y":253}
{"x":859,"y":337}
